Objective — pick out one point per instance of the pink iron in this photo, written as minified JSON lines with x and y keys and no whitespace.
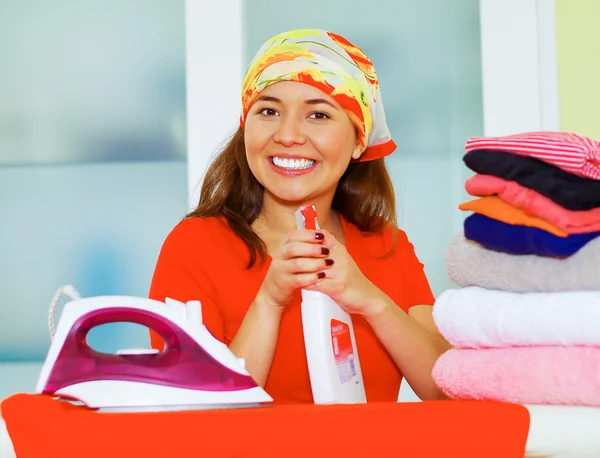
{"x":193,"y":371}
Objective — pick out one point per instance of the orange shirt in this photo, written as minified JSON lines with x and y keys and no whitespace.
{"x":495,"y":208}
{"x":202,"y":259}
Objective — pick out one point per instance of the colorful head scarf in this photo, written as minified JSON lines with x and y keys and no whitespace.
{"x":332,"y":64}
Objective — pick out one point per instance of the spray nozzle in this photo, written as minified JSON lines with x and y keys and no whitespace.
{"x":306,"y":218}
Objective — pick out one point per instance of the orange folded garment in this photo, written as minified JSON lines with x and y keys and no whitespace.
{"x":41,"y":426}
{"x":495,"y":208}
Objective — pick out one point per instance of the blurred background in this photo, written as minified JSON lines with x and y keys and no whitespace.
{"x":92,"y":161}
{"x":94,"y":131}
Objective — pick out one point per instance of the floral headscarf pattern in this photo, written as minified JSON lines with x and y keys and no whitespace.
{"x":332,"y":64}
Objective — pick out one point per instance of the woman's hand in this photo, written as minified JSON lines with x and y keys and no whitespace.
{"x":346,"y":284}
{"x":300,"y":262}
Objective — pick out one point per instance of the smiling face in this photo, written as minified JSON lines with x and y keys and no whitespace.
{"x":299,"y":142}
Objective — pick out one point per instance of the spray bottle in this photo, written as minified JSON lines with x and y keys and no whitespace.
{"x":333,"y":364}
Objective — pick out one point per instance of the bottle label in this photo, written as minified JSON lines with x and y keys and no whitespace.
{"x":343,"y":352}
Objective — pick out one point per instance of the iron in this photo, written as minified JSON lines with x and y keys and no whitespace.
{"x":193,"y":371}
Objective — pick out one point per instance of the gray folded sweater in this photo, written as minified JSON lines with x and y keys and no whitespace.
{"x":470,"y":264}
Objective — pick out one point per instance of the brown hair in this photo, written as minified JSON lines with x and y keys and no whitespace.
{"x":364,"y":196}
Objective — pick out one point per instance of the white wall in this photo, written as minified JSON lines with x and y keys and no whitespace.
{"x":520,"y":76}
{"x":214,"y":78}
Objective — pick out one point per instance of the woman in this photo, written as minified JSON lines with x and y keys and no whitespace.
{"x":312,"y":132}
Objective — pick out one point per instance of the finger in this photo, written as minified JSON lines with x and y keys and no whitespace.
{"x":307,"y":265}
{"x":303,"y":250}
{"x":321,"y":276}
{"x":330,"y":241}
{"x":304,"y":235}
{"x":308,"y":281}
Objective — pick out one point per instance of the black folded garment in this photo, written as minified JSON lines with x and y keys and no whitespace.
{"x":567,"y":190}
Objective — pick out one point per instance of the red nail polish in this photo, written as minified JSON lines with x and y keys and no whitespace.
{"x":324,"y":250}
{"x":321,"y":275}
{"x":328,"y":262}
{"x":319,"y":236}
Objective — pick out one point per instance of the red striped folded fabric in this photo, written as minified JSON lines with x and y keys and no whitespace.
{"x":570,"y":152}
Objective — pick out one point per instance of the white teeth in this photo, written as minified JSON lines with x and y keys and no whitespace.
{"x":292,"y":164}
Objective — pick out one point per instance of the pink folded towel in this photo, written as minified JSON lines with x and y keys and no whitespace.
{"x":572,"y":153}
{"x":534,"y":375}
{"x":535,"y":204}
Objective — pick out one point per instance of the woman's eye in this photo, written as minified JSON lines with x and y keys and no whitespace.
{"x":268,"y":112}
{"x":319,"y":115}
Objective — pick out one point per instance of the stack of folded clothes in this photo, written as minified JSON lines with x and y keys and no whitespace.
{"x":525,"y":324}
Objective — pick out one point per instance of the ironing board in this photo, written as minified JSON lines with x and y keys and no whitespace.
{"x":555,"y":431}
{"x":41,"y":426}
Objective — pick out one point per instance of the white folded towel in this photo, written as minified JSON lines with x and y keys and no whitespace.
{"x":469,"y":264}
{"x":475,"y":317}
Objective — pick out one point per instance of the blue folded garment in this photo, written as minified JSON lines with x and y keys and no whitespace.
{"x":508,"y":238}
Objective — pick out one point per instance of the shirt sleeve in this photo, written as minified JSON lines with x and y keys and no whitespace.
{"x":178,"y":277}
{"x":419,"y":290}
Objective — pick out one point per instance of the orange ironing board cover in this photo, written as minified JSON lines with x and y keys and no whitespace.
{"x":41,"y":426}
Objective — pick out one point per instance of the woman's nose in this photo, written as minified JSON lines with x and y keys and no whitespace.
{"x":289,"y":132}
